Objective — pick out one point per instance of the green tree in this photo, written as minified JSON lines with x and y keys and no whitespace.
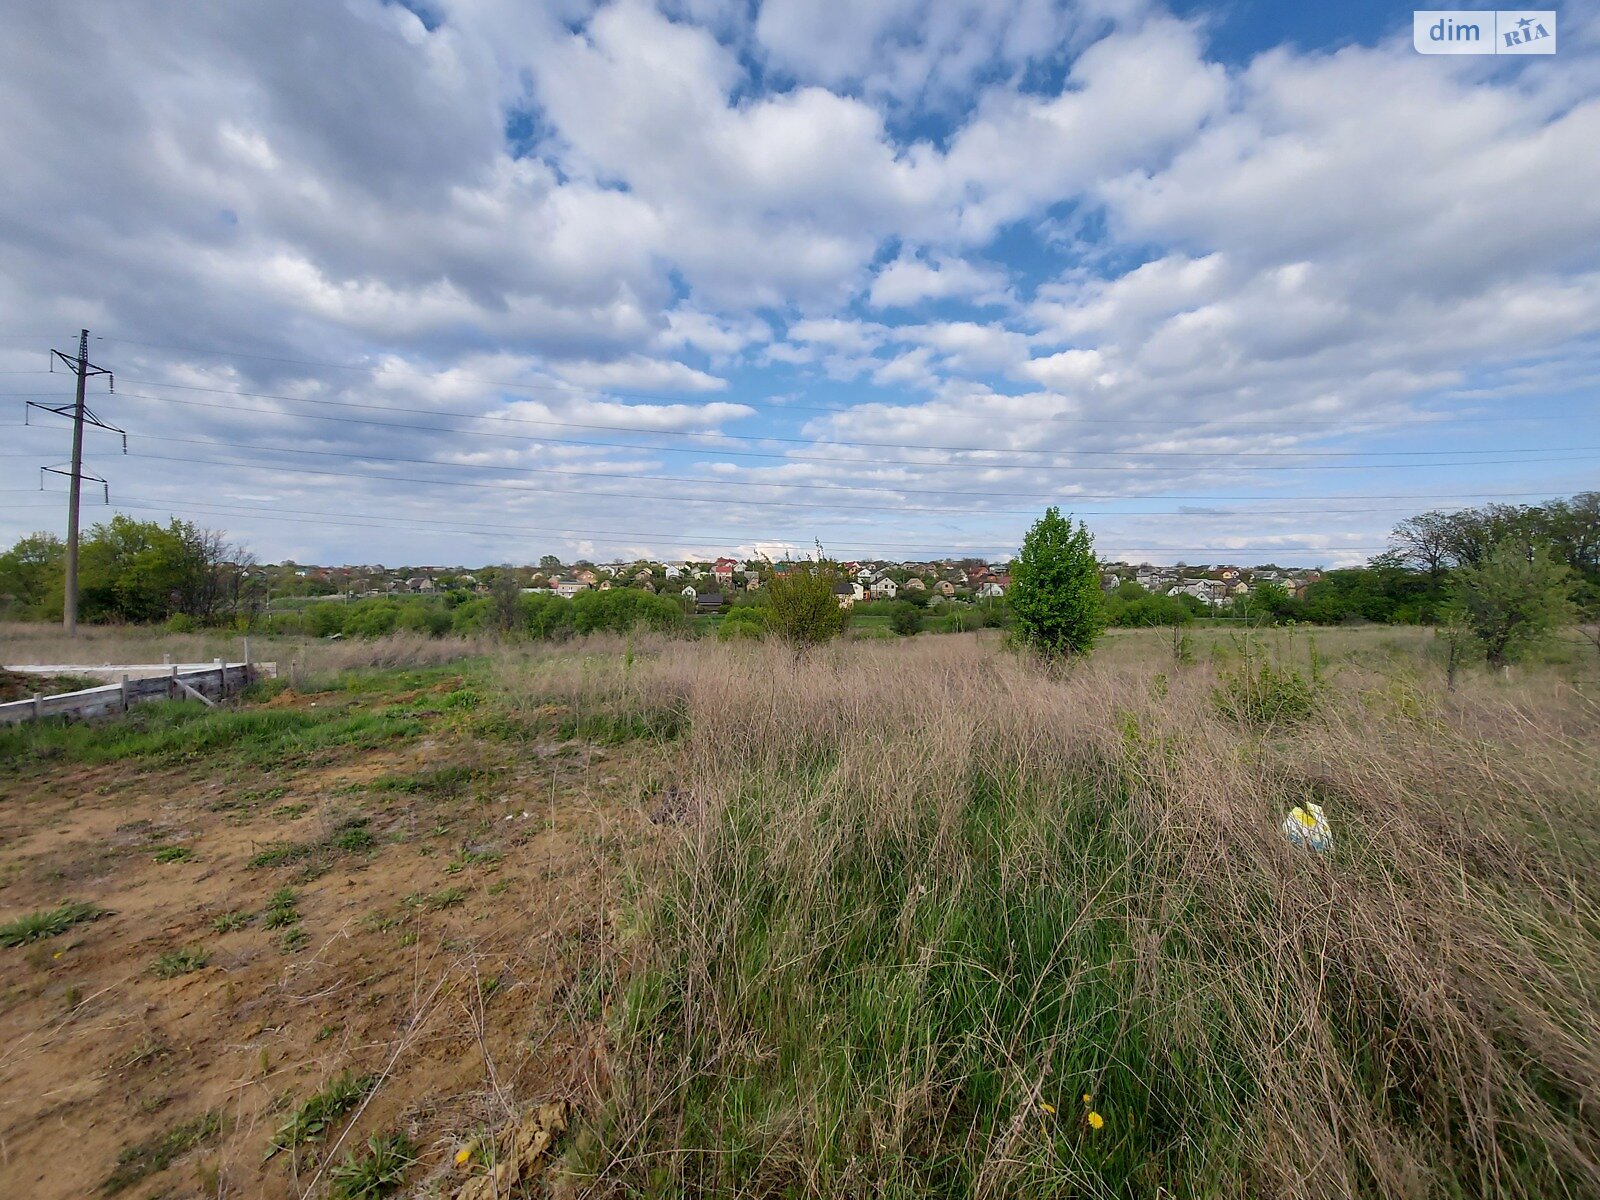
{"x":31,"y":574}
{"x":504,"y":592}
{"x":905,"y":618}
{"x":1270,"y":602}
{"x":1512,"y":598}
{"x":801,"y":606}
{"x":1055,"y":588}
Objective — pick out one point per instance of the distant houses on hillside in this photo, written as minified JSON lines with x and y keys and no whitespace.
{"x":697,"y":581}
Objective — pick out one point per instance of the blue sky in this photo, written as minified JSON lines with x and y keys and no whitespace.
{"x":1242,"y":282}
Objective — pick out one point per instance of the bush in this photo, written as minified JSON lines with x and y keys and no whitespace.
{"x":620,"y":610}
{"x":1265,"y":696}
{"x":803,"y":609}
{"x":472,"y":616}
{"x":370,"y":618}
{"x":905,"y":619}
{"x":325,"y":618}
{"x":742,"y":621}
{"x":421,"y":616}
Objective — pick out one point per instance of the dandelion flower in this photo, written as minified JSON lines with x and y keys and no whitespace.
{"x":1087,"y":1098}
{"x":464,"y":1155}
{"x":1096,"y":1121}
{"x":1049,"y":1108}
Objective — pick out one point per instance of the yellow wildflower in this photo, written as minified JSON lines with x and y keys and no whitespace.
{"x":464,"y":1155}
{"x":1096,"y":1121}
{"x":1087,"y":1098}
{"x":1049,"y":1108}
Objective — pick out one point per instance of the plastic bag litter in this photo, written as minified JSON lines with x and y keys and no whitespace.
{"x":1307,"y":826}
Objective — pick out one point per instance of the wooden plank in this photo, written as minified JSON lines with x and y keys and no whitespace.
{"x":200,"y":696}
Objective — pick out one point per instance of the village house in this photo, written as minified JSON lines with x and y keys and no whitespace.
{"x":586,"y":576}
{"x":566,"y":588}
{"x":845,"y":593}
{"x":707,"y":601}
{"x":722,"y":571}
{"x":915,"y":585}
{"x":945,"y":588}
{"x":884,"y":589}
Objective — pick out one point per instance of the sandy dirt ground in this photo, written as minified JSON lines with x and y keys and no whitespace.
{"x":456,"y":958}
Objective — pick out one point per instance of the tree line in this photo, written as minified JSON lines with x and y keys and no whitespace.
{"x":1505,"y":569}
{"x":135,"y":572}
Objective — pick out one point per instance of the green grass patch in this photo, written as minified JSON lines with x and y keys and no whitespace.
{"x":173,"y":854}
{"x":349,"y":836}
{"x":136,"y":1163}
{"x":180,"y":962}
{"x":187,"y":731}
{"x":318,"y":1113}
{"x":437,"y":901}
{"x":379,"y":1169}
{"x":230,"y":921}
{"x":443,"y":782}
{"x":282,"y":910}
{"x":48,"y":923}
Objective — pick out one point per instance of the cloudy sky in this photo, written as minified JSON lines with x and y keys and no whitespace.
{"x":467,"y":281}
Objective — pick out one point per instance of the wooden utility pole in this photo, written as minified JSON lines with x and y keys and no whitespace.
{"x":83,"y":369}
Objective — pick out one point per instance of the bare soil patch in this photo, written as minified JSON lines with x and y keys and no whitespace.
{"x":445,"y":892}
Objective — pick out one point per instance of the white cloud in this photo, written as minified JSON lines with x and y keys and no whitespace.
{"x":909,"y":280}
{"x":639,"y":373}
{"x":1310,"y":235}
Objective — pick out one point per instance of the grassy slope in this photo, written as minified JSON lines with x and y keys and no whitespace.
{"x":937,"y":896}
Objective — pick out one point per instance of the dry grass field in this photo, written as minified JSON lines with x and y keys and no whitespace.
{"x":900,"y":919}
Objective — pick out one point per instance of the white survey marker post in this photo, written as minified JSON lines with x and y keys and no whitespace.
{"x":1484,"y":31}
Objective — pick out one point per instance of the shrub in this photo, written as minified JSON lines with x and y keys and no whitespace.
{"x":419,"y":616}
{"x":370,"y":618}
{"x":1264,"y":696}
{"x":742,"y":621}
{"x":803,"y":610}
{"x":905,"y":619}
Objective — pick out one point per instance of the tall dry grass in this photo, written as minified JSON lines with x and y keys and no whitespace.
{"x":927,"y":893}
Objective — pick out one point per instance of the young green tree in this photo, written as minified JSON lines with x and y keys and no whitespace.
{"x":1512,"y":598}
{"x":801,"y":606}
{"x":1055,"y":588}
